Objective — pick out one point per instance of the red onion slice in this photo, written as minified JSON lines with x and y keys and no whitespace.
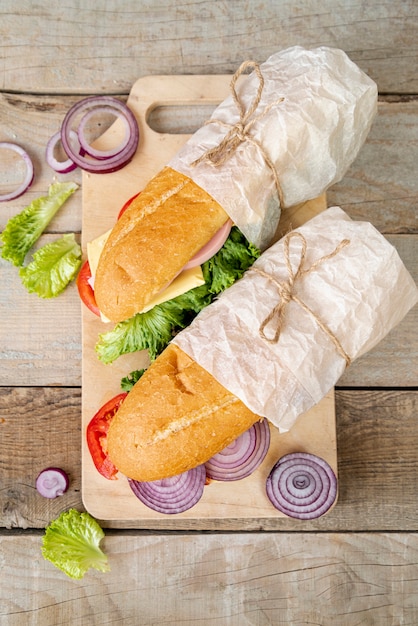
{"x":29,"y":172}
{"x":302,"y":485}
{"x":242,"y":457}
{"x":62,"y":167}
{"x":172,"y":495}
{"x":52,"y":482}
{"x":94,"y":152}
{"x":212,"y":247}
{"x":119,"y":157}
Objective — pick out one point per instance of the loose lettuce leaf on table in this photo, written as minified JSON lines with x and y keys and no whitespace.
{"x":71,"y":543}
{"x":53,"y":267}
{"x":24,"y":229}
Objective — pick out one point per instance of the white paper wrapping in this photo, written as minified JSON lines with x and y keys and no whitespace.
{"x":360,"y":294}
{"x":311,"y":137}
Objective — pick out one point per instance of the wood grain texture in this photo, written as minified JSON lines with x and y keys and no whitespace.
{"x":30,"y":122}
{"x":219,"y":580}
{"x":39,"y":427}
{"x":40,"y":339}
{"x":382,"y":184}
{"x":377,"y":440}
{"x":102,"y":48}
{"x":114,"y":500}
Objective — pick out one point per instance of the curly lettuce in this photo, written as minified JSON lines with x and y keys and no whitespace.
{"x":24,"y":229}
{"x":71,"y":543}
{"x":53,"y":267}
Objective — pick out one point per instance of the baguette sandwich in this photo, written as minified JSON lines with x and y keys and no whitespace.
{"x":175,"y":418}
{"x":149,"y":315}
{"x":163,"y":228}
{"x":288,"y":131}
{"x":270,"y":347}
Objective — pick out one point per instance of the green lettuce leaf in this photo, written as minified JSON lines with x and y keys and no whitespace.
{"x":53,"y":267}
{"x":24,"y":229}
{"x":230,"y":262}
{"x":127,"y":382}
{"x":154,"y":329}
{"x":71,"y":543}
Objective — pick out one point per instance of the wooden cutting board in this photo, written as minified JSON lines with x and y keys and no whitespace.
{"x":103,"y":196}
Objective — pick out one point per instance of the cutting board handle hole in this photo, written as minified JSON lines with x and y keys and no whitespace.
{"x":179,"y":119}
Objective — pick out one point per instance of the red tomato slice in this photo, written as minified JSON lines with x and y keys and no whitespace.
{"x":97,"y":436}
{"x":127,"y":203}
{"x":85,"y":290}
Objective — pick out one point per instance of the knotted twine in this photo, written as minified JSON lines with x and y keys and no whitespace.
{"x":287,"y":293}
{"x":239,"y":132}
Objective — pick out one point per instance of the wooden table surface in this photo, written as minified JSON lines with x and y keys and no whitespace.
{"x":356,"y":565}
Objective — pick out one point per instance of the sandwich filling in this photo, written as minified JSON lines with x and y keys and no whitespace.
{"x":153,"y":328}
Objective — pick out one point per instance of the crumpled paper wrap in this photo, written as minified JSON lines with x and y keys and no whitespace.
{"x":311,"y":137}
{"x":360,"y":294}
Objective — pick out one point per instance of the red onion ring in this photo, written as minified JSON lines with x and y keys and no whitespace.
{"x":62,"y":167}
{"x":302,"y":485}
{"x":29,"y":173}
{"x":94,"y":152}
{"x":172,"y":495}
{"x":52,"y":482}
{"x":242,"y":457}
{"x":119,"y":157}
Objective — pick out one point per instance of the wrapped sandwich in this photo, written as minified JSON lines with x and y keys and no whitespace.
{"x":270,"y":347}
{"x":289,"y":130}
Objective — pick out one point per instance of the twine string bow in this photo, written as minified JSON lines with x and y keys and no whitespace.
{"x":287,"y":292}
{"x":239,"y":132}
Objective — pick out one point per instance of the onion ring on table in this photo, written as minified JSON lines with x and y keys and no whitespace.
{"x":61,"y":167}
{"x":29,"y":173}
{"x":117,"y":158}
{"x":302,"y":485}
{"x":52,"y":482}
{"x":94,"y":152}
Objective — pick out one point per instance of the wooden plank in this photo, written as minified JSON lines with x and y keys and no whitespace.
{"x":381,"y":186}
{"x":30,"y":122}
{"x":40,"y":427}
{"x":241,"y":501}
{"x":219,"y":580}
{"x":101,"y":48}
{"x":40,"y":339}
{"x":377,"y":444}
{"x":377,"y":440}
{"x":302,"y":576}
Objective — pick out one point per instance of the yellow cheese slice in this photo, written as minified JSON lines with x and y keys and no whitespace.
{"x":186,"y":280}
{"x":94,"y":250}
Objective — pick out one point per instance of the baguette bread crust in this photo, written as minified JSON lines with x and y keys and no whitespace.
{"x":163,"y":228}
{"x":176,"y":417}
